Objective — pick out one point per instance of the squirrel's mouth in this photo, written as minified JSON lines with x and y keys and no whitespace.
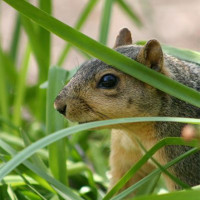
{"x":86,"y":122}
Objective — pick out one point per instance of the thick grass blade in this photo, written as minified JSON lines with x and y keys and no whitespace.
{"x":4,"y":105}
{"x":172,"y":177}
{"x":15,"y":39}
{"x":185,"y":54}
{"x":57,"y":151}
{"x":107,"y":55}
{"x":35,"y":158}
{"x":82,"y":19}
{"x":105,"y":21}
{"x":181,"y":195}
{"x":20,"y":88}
{"x":35,"y":45}
{"x":64,"y":191}
{"x":44,"y":39}
{"x":124,"y":5}
{"x":44,"y":35}
{"x":30,"y":150}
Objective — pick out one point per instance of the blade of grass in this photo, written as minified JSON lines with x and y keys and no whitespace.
{"x":16,"y":180}
{"x":43,"y":64}
{"x":35,"y":45}
{"x":180,"y":195}
{"x":4,"y":105}
{"x":20,"y":88}
{"x":44,"y":38}
{"x":185,"y":54}
{"x":15,"y":39}
{"x":64,"y":191}
{"x":10,"y":70}
{"x":148,"y":187}
{"x":105,"y":21}
{"x":79,"y":167}
{"x":108,"y":55}
{"x":171,"y":176}
{"x":151,"y":175}
{"x":57,"y":151}
{"x":30,"y":150}
{"x":127,"y":8}
{"x":11,"y":193}
{"x":35,"y":158}
{"x":82,"y":19}
{"x":44,"y":35}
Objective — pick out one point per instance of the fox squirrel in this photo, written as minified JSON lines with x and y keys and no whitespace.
{"x":98,"y":92}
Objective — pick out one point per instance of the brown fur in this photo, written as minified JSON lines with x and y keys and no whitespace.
{"x":85,"y":102}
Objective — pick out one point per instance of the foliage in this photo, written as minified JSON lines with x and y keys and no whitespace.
{"x":32,"y":153}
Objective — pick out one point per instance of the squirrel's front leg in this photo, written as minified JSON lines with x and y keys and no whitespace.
{"x":124,"y":154}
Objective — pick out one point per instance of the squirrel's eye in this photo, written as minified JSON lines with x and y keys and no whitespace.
{"x":108,"y":81}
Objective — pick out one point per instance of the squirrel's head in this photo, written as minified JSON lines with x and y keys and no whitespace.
{"x":99,"y":91}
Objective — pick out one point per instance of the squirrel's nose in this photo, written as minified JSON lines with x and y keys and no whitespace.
{"x":61,"y":108}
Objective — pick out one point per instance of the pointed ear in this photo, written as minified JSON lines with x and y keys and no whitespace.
{"x":124,"y":38}
{"x":151,"y":55}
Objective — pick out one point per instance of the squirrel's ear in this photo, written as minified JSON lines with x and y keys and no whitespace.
{"x":124,"y":38}
{"x":151,"y":55}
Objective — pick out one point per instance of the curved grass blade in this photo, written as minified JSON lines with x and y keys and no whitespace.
{"x":124,"y":5}
{"x":30,"y":150}
{"x":15,"y":39}
{"x":3,"y":98}
{"x":185,"y":54}
{"x":44,"y":35}
{"x":106,"y":54}
{"x":153,"y":174}
{"x":143,"y":160}
{"x":105,"y":21}
{"x":21,"y":86}
{"x":171,"y":176}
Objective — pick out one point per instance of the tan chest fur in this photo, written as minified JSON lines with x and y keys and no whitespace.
{"x":125,"y":151}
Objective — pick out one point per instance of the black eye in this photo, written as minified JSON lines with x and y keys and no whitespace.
{"x":108,"y":81}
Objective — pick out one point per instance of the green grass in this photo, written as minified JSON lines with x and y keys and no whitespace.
{"x":45,"y":157}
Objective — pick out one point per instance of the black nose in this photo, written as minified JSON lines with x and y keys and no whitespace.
{"x":62,"y":109}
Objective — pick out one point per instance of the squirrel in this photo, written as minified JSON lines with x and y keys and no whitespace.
{"x":99,"y":91}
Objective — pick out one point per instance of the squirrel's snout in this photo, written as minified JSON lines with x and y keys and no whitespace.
{"x":62,"y":110}
{"x":60,"y":106}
